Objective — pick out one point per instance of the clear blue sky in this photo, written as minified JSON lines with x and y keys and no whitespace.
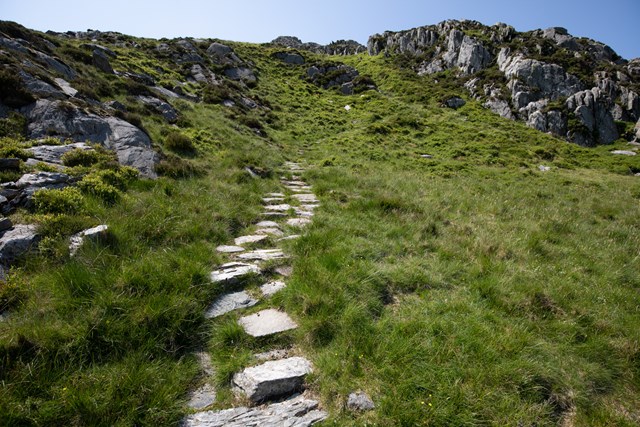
{"x":615,"y":22}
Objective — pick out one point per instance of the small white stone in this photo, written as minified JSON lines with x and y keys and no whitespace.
{"x":267,"y":322}
{"x":271,"y":288}
{"x":624,"y":152}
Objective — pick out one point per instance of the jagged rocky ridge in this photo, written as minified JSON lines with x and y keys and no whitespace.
{"x":339,"y":47}
{"x":575,"y":88}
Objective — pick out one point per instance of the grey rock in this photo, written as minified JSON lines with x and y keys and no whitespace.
{"x":466,"y":53}
{"x":538,"y":121}
{"x":637,"y":130}
{"x":414,"y":41}
{"x":92,"y":234}
{"x":39,"y":88}
{"x":62,"y":120}
{"x":233,"y":271}
{"x":272,"y":287}
{"x":294,"y":412}
{"x":543,"y":168}
{"x":278,"y":208}
{"x":228,"y":303}
{"x":5,"y":223}
{"x":11,"y":44}
{"x":592,"y":109}
{"x":270,"y":231}
{"x":249,"y":239}
{"x":298,"y":222}
{"x":221,"y":53}
{"x":455,"y":102}
{"x":426,"y":156}
{"x":273,"y":355}
{"x":262,"y":255}
{"x":66,"y":87}
{"x":16,"y":242}
{"x":290,"y":58}
{"x":202,"y":397}
{"x":168,"y":112}
{"x":204,"y":360}
{"x":241,"y":73}
{"x":56,"y":65}
{"x":42,"y":179}
{"x":275,"y":195}
{"x":229,"y":249}
{"x":500,"y":107}
{"x":272,"y":379}
{"x":93,"y":46}
{"x":347,"y":88}
{"x":285,"y":270}
{"x":201,"y":74}
{"x":267,"y":322}
{"x":268,"y":224}
{"x":360,"y":401}
{"x":101,"y":61}
{"x":54,"y":153}
{"x":624,"y":152}
{"x":116,"y":105}
{"x":562,"y":38}
{"x":272,"y":199}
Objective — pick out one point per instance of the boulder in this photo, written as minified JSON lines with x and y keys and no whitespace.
{"x":455,"y":102}
{"x":465,"y":53}
{"x":272,"y":379}
{"x":54,"y":153}
{"x":101,"y":61}
{"x":202,"y":397}
{"x":291,"y":58}
{"x":5,"y":224}
{"x":222,"y":54}
{"x":248,"y":239}
{"x":16,"y":242}
{"x":168,"y":112}
{"x":294,"y":412}
{"x":360,"y":401}
{"x":500,"y":107}
{"x":241,"y":73}
{"x":63,"y":120}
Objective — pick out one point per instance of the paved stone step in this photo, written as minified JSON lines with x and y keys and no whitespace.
{"x":268,"y":224}
{"x":306,"y":198}
{"x":233,"y":271}
{"x":278,"y":208}
{"x":298,"y":222}
{"x":275,"y":214}
{"x":299,"y":189}
{"x":304,"y":213}
{"x":270,"y":231}
{"x":262,"y":255}
{"x":230,"y":302}
{"x":272,"y":199}
{"x":272,"y":287}
{"x":202,"y":397}
{"x":295,"y":412}
{"x":267,"y":322}
{"x":272,"y":379}
{"x":242,"y":240}
{"x":229,"y":249}
{"x":294,"y":183}
{"x":275,"y":194}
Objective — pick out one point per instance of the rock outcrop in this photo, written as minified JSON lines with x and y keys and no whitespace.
{"x":65,"y":121}
{"x":574,"y":88}
{"x":339,"y":47}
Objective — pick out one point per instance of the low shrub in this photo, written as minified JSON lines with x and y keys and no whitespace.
{"x":69,"y":200}
{"x":15,"y":125}
{"x":175,"y":167}
{"x":12,"y":148}
{"x":179,"y":142}
{"x":80,"y":157}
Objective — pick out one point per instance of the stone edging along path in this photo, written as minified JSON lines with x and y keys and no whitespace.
{"x":280,"y":379}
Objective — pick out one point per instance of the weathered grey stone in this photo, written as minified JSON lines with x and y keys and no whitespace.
{"x":360,"y":401}
{"x":63,"y":120}
{"x":290,"y":58}
{"x":39,"y":88}
{"x":268,"y":224}
{"x":204,"y":360}
{"x":592,"y":108}
{"x":93,"y":234}
{"x":5,"y":223}
{"x":543,"y":168}
{"x":55,"y":64}
{"x":54,"y":153}
{"x":168,"y":112}
{"x":273,"y":355}
{"x":298,"y":222}
{"x":103,"y":49}
{"x":272,"y":287}
{"x":267,"y":322}
{"x":229,"y":249}
{"x":306,"y":198}
{"x":270,"y":231}
{"x":233,"y":271}
{"x":16,"y":242}
{"x":500,"y":107}
{"x":202,"y":397}
{"x":66,"y":87}
{"x":274,"y":214}
{"x":272,"y":199}
{"x":624,"y":152}
{"x":294,"y":412}
{"x":230,"y":302}
{"x":101,"y":61}
{"x":272,"y":379}
{"x":242,"y":240}
{"x":466,"y":53}
{"x":262,"y":255}
{"x":455,"y":102}
{"x":42,"y":179}
{"x":241,"y":73}
{"x":278,"y":208}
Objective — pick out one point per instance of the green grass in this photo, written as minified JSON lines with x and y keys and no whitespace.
{"x":466,"y":289}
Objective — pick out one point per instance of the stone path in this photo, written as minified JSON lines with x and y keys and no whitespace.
{"x":276,"y":386}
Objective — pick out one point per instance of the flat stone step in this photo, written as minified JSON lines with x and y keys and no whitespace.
{"x":268,"y":224}
{"x":274,"y":214}
{"x":294,"y":412}
{"x":275,"y":194}
{"x":272,"y":199}
{"x":229,"y":249}
{"x":262,"y":255}
{"x":242,"y":240}
{"x":304,"y":213}
{"x":272,"y":287}
{"x":298,"y":222}
{"x":299,"y":189}
{"x":294,"y":183}
{"x":278,"y":208}
{"x":230,"y":302}
{"x":267,"y":322}
{"x":233,"y":271}
{"x":272,"y":379}
{"x":270,"y":231}
{"x":202,"y":397}
{"x":306,"y":198}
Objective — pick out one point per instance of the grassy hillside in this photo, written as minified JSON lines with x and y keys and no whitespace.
{"x":469,"y":288}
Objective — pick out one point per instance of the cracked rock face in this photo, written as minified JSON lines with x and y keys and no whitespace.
{"x":272,"y":379}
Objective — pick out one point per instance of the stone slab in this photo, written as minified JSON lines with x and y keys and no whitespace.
{"x":233,"y":271}
{"x":202,"y":397}
{"x":270,"y":231}
{"x":298,"y":222}
{"x":275,"y":195}
{"x":268,"y":224}
{"x":299,"y":189}
{"x":230,"y":302}
{"x":242,"y":240}
{"x":267,"y":322}
{"x":272,"y":287}
{"x":272,"y":199}
{"x":262,"y":255}
{"x":272,"y":379}
{"x":278,"y":208}
{"x":294,"y":183}
{"x":306,"y":198}
{"x":229,"y":249}
{"x":294,"y":412}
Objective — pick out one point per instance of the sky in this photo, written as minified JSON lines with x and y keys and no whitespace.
{"x":614,"y":22}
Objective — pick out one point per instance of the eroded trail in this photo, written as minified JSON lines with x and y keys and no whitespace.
{"x":274,"y":386}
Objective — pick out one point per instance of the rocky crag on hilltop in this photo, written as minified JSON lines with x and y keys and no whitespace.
{"x":574,"y":88}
